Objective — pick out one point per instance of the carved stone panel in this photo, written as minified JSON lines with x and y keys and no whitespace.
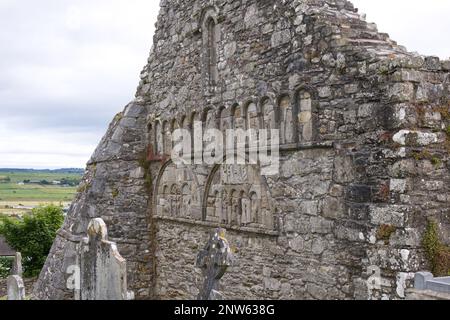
{"x":236,"y":196}
{"x":177,"y":193}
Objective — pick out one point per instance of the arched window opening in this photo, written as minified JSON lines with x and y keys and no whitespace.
{"x":211,"y":51}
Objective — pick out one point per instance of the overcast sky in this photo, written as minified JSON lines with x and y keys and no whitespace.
{"x":68,"y":66}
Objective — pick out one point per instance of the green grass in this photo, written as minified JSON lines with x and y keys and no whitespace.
{"x":19,"y":176}
{"x":12,"y":191}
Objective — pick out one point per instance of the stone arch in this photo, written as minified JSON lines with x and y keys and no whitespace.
{"x":184,"y":122}
{"x":170,"y":175}
{"x":268,"y":114}
{"x":222,"y":116}
{"x":252,"y":115}
{"x":238,"y":117}
{"x":209,"y":118}
{"x":305,"y":109}
{"x":174,"y":125}
{"x":211,"y":37}
{"x":286,"y":120}
{"x":233,"y":181}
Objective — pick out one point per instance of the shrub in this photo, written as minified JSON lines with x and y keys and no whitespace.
{"x":5,"y":266}
{"x":33,"y":236}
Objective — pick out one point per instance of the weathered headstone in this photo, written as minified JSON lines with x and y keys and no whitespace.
{"x":17,"y":265}
{"x":214,"y":261}
{"x":426,"y":281}
{"x":103,"y":271}
{"x":16,"y":287}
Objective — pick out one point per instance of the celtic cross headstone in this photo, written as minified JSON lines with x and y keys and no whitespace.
{"x":214,"y":261}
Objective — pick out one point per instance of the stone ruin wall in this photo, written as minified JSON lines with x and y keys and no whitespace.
{"x":364,"y":146}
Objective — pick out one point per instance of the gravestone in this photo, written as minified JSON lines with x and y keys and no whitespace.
{"x":426,"y":281}
{"x":16,"y":287}
{"x":103,"y":271}
{"x":17,"y":266}
{"x":214,"y":261}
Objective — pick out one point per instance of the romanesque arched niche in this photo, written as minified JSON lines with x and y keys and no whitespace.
{"x":268,"y":112}
{"x":238,"y":117}
{"x":237,"y":196}
{"x":225,"y":119}
{"x":177,"y":193}
{"x":306,"y":115}
{"x":209,"y":119}
{"x":287,"y":123}
{"x":211,"y":38}
{"x":252,"y":115}
{"x":209,"y":122}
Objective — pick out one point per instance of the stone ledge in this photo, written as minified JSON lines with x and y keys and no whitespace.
{"x":271,"y":233}
{"x":283,"y":147}
{"x":414,"y":294}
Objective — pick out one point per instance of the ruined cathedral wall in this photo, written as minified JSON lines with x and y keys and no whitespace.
{"x":322,"y":66}
{"x":408,"y":170}
{"x":363,"y":156}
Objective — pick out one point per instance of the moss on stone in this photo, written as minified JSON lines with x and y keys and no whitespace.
{"x":145,"y":164}
{"x":83,"y":187}
{"x":436,"y":161}
{"x":437,"y":254}
{"x":385,"y":232}
{"x":118,"y":117}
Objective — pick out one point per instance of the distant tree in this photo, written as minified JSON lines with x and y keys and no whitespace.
{"x":33,"y":236}
{"x":5,"y":179}
{"x":73,"y":182}
{"x":26,"y":181}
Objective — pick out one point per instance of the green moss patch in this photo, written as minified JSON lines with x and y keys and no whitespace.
{"x":385,"y":232}
{"x":437,"y":254}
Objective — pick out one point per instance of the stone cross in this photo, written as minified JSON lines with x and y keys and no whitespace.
{"x":103,"y":271}
{"x":214,"y":261}
{"x":16,"y":287}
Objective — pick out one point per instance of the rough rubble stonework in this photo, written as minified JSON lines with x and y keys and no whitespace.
{"x":364,"y":148}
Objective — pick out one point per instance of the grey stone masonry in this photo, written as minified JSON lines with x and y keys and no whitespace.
{"x":364,"y":157}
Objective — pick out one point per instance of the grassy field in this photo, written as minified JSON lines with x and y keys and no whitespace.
{"x":14,"y":193}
